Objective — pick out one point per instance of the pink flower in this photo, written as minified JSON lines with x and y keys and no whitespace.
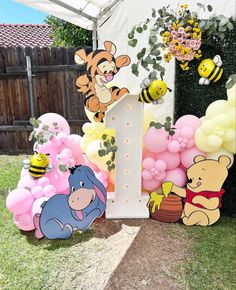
{"x":181,"y":30}
{"x":192,"y":43}
{"x":169,"y":27}
{"x":180,"y":40}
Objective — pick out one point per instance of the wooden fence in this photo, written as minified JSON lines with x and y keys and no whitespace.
{"x":54,"y":90}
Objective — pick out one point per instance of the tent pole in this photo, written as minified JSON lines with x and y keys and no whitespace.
{"x":94,"y":35}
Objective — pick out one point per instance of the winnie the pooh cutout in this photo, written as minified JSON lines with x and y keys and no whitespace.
{"x":64,"y":214}
{"x":101,"y":67}
{"x":203,"y":193}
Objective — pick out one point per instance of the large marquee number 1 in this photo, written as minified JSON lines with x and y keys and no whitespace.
{"x":126,"y":117}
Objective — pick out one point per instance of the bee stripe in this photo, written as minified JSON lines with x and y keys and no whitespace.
{"x":213,"y":72}
{"x":37,"y":172}
{"x":149,"y":96}
{"x":37,"y":167}
{"x":218,"y":75}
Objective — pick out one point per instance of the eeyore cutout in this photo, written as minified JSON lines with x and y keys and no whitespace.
{"x":63,"y":214}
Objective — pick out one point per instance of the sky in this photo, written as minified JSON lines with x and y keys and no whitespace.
{"x":16,"y":13}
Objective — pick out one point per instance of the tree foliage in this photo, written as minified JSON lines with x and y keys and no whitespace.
{"x":67,"y":34}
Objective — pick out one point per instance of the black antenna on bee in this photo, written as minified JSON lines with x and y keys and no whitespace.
{"x":169,"y":89}
{"x":36,"y":152}
{"x":72,"y":169}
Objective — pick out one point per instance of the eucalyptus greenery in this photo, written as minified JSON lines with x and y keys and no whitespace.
{"x":150,"y":58}
{"x":167,"y":126}
{"x":231,"y":81}
{"x":44,"y":134}
{"x":108,"y":146}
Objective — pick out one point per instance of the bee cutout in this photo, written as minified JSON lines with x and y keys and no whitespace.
{"x":38,"y":165}
{"x":210,"y":70}
{"x":152,"y":91}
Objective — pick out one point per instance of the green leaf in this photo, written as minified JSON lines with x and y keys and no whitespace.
{"x":112,"y":140}
{"x":171,"y":132}
{"x":156,"y":52}
{"x":139,"y":29}
{"x":168,"y":119}
{"x":105,"y":143}
{"x":153,"y":39}
{"x":223,"y":21}
{"x":31,"y":136}
{"x":133,"y":42}
{"x":113,"y":166}
{"x":231,"y":81}
{"x":108,"y":162}
{"x":134,"y":68}
{"x":114,"y":148}
{"x":113,"y":157}
{"x":104,"y":137}
{"x":109,"y":168}
{"x":131,"y":35}
{"x":158,"y":125}
{"x":153,"y":13}
{"x":230,"y":26}
{"x":144,"y":26}
{"x":55,"y":124}
{"x":209,"y":7}
{"x":152,"y":75}
{"x":45,"y":127}
{"x":101,"y":152}
{"x":152,"y":124}
{"x":200,"y":5}
{"x":62,"y":168}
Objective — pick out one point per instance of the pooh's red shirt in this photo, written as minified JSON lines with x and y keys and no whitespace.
{"x":207,"y":194}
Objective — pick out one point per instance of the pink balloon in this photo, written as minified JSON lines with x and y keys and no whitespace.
{"x":172,"y":160}
{"x":48,"y":148}
{"x":150,"y":185}
{"x":37,"y":191}
{"x":173,"y":146}
{"x":27,"y":181}
{"x":188,"y":120}
{"x":103,"y":177}
{"x":188,"y":155}
{"x":160,"y":165}
{"x":187,"y":132}
{"x":146,"y":174}
{"x":148,"y":163}
{"x":43,"y":181}
{"x":37,"y":205}
{"x":147,"y":153}
{"x":19,"y":201}
{"x":49,"y":190}
{"x":24,"y":221}
{"x":156,"y":140}
{"x":59,"y":179}
{"x":64,"y":158}
{"x":160,"y":176}
{"x":67,"y":152}
{"x":24,"y":172}
{"x":177,"y":176}
{"x":50,"y":118}
{"x":62,"y":136}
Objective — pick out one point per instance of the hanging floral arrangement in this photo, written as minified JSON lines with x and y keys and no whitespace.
{"x":176,"y":34}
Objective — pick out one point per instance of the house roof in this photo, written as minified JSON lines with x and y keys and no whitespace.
{"x":25,"y":35}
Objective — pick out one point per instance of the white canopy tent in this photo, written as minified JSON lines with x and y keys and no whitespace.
{"x":88,"y":14}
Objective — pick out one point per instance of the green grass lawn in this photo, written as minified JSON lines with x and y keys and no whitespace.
{"x":26,"y":263}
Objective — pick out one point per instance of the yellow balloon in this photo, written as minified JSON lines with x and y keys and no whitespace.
{"x":208,"y":126}
{"x":229,"y":135}
{"x":230,"y":146}
{"x":201,"y":141}
{"x":216,"y":108}
{"x":214,"y":141}
{"x":232,"y":115}
{"x":215,"y":155}
{"x":232,"y":95}
{"x":222,"y":120}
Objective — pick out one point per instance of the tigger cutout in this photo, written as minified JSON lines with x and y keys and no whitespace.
{"x":101,"y":66}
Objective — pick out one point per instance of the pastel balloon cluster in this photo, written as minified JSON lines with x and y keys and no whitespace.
{"x":165,"y":158}
{"x":91,"y":143}
{"x":217,"y":132}
{"x":64,"y":149}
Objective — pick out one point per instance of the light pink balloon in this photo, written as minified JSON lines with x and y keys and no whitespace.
{"x":160,"y":165}
{"x":172,"y":160}
{"x":188,"y":155}
{"x":161,"y":176}
{"x":37,"y":191}
{"x":27,"y":181}
{"x":50,"y":118}
{"x":147,"y":153}
{"x":19,"y":201}
{"x":62,"y":136}
{"x":37,"y":205}
{"x":48,"y":148}
{"x":177,"y":176}
{"x":146,"y":175}
{"x":187,"y":132}
{"x":148,"y":163}
{"x":156,"y":140}
{"x":150,"y":185}
{"x":173,"y":146}
{"x":64,"y":158}
{"x":49,"y":190}
{"x":43,"y":181}
{"x":24,"y":221}
{"x":103,"y":177}
{"x":67,"y":152}
{"x":188,"y":120}
{"x":59,"y":179}
{"x":24,"y":172}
